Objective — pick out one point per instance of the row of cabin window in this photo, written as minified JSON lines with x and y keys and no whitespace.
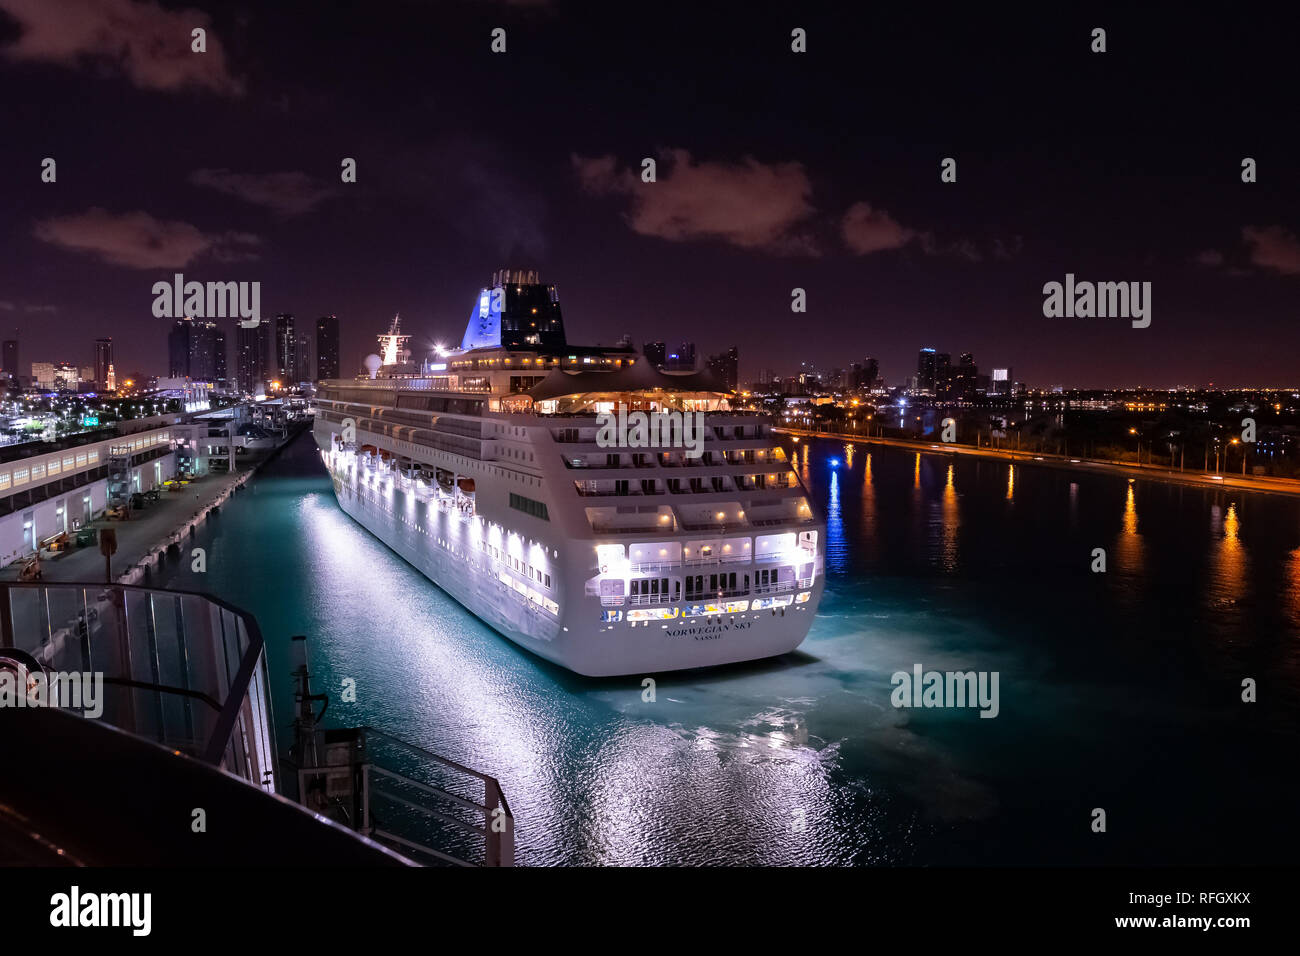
{"x":521,"y":566}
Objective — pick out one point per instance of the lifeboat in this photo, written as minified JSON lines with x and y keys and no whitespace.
{"x":466,"y":485}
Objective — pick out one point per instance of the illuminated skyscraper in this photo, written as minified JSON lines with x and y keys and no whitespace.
{"x":726,"y":366}
{"x":286,"y":349}
{"x":196,"y":349}
{"x":252,"y":350}
{"x":327,"y":347}
{"x":103,"y":361}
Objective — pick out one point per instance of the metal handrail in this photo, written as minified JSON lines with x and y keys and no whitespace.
{"x":500,"y":845}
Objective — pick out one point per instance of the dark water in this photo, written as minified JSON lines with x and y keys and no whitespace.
{"x":1118,"y":690}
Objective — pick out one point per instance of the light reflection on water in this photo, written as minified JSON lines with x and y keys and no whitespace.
{"x":803,"y":760}
{"x":836,"y":546}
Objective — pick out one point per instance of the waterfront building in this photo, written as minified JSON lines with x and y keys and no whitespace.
{"x":52,"y":488}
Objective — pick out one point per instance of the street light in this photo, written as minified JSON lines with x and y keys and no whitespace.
{"x":1134,"y":431}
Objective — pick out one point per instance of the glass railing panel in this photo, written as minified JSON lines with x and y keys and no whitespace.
{"x":179,"y":669}
{"x":27,"y":609}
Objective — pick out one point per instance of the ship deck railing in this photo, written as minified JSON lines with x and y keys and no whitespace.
{"x":724,"y":595}
{"x":716,"y":527}
{"x":184,"y":670}
{"x":429,"y":807}
{"x":716,"y":559}
{"x":645,"y":600}
{"x":777,"y":587}
{"x":791,"y":557}
{"x":784,"y":519}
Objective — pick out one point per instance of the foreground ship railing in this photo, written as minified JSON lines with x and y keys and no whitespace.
{"x":430,"y":808}
{"x":184,"y":670}
{"x":106,"y":690}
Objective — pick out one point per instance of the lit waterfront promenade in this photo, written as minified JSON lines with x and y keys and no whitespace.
{"x":150,"y":528}
{"x":1279,"y":486}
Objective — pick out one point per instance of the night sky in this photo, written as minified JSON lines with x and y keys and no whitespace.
{"x":776,"y":170}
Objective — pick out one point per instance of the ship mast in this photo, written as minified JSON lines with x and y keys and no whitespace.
{"x":390,"y":345}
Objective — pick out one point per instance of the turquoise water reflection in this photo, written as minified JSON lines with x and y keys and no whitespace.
{"x":1118,"y":690}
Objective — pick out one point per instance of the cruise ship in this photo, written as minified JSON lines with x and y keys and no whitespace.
{"x":494,"y":469}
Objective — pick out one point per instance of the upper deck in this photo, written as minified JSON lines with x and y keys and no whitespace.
{"x":536,"y":412}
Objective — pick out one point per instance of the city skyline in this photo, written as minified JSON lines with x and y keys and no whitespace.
{"x":785,"y":196}
{"x":565,"y":434}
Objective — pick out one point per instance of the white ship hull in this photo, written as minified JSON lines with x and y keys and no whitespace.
{"x":443,"y":544}
{"x":495,"y":470}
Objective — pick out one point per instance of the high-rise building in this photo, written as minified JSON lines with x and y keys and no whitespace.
{"x":252,"y":352}
{"x":302,"y":361}
{"x":103,"y":360}
{"x":9,"y":358}
{"x":943,"y":375}
{"x":933,"y":372}
{"x":680,"y":358}
{"x":674,"y":358}
{"x":327,"y":347}
{"x":220,"y":373}
{"x":1000,"y":383}
{"x":965,"y":377}
{"x":671,"y":358}
{"x":178,"y":348}
{"x":286,"y":350}
{"x":926,"y":375}
{"x":196,"y":349}
{"x":43,"y":374}
{"x":726,"y":366}
{"x":870,"y":372}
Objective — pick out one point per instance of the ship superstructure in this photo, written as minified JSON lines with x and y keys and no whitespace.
{"x":491,"y":468}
